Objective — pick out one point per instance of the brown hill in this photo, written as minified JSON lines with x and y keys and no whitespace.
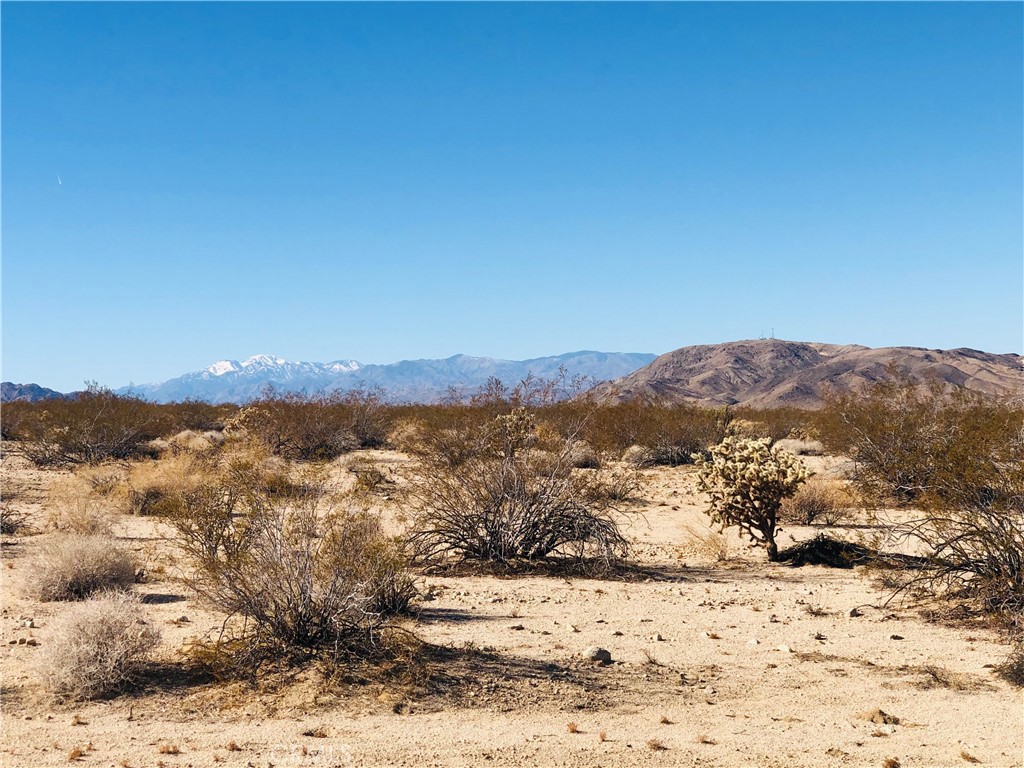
{"x":770,"y":373}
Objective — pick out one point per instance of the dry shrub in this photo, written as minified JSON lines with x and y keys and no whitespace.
{"x":1012,"y":670}
{"x":103,"y":480}
{"x":316,"y":427}
{"x":12,"y":521}
{"x":75,"y":508}
{"x":667,"y":435}
{"x":706,"y":545}
{"x":800,"y":447}
{"x":97,"y":647}
{"x":91,"y":427}
{"x":957,"y":456}
{"x":502,"y":491}
{"x":312,"y":574}
{"x":189,"y":441}
{"x":820,"y":499}
{"x":154,"y":487}
{"x":74,"y":566}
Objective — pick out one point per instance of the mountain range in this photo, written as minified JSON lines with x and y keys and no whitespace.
{"x":231,"y":381}
{"x":762,"y":373}
{"x":770,"y":373}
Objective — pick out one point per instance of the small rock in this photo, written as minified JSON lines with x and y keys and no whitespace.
{"x":31,"y":641}
{"x":854,"y":613}
{"x":595,"y":653}
{"x":616,"y":633}
{"x":753,"y":641}
{"x":22,"y":641}
{"x":657,"y":637}
{"x":517,"y":627}
{"x":30,"y":623}
{"x":784,"y":649}
{"x":896,"y":637}
{"x":183,"y":619}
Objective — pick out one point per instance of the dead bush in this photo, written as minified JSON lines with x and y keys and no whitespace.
{"x":12,"y":521}
{"x":820,"y":499}
{"x":959,"y":458}
{"x":73,"y":566}
{"x":97,"y":647}
{"x":1012,"y":670}
{"x":502,"y":491}
{"x":75,"y":508}
{"x":310,"y":575}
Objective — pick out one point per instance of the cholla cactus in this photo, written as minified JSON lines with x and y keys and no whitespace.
{"x":747,"y":480}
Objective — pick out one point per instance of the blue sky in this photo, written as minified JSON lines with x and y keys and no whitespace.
{"x":379,"y":182}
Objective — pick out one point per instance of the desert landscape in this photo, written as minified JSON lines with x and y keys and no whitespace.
{"x":687,"y":647}
{"x":559,"y":384}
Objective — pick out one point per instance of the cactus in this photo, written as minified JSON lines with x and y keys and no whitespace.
{"x":746,"y":480}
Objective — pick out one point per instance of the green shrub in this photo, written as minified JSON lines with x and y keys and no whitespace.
{"x":747,"y":480}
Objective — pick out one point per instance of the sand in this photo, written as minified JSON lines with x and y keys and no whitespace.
{"x":734,"y":662}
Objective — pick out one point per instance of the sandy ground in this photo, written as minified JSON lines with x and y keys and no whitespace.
{"x":716,"y":663}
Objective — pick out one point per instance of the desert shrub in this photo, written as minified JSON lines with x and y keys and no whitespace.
{"x":669,"y":435}
{"x":97,"y":647}
{"x":367,"y":416}
{"x":1012,"y":669}
{"x":820,"y":499}
{"x":297,"y":427}
{"x":75,"y":566}
{"x":12,"y":521}
{"x":747,"y":480}
{"x":800,"y":447}
{"x":91,"y":427}
{"x":776,"y":423}
{"x":504,"y":492}
{"x":74,"y":507}
{"x":312,"y":574}
{"x":959,"y":458}
{"x":154,"y":487}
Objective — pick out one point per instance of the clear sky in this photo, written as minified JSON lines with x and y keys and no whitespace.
{"x":389,"y":181}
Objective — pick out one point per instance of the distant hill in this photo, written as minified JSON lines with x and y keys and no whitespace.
{"x":231,"y":381}
{"x":770,"y":373}
{"x":10,"y":392}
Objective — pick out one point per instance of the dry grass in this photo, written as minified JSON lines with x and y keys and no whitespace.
{"x":602,"y":736}
{"x":97,"y":647}
{"x":656,"y":745}
{"x":705,"y":544}
{"x":705,"y":739}
{"x":572,"y":728}
{"x":891,"y":762}
{"x":665,"y":721}
{"x":169,"y":749}
{"x":968,"y":757}
{"x":74,"y":508}
{"x":70,"y":566}
{"x":800,"y":447}
{"x":820,"y":499}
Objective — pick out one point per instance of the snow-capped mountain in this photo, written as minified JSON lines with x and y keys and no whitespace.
{"x":231,"y":381}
